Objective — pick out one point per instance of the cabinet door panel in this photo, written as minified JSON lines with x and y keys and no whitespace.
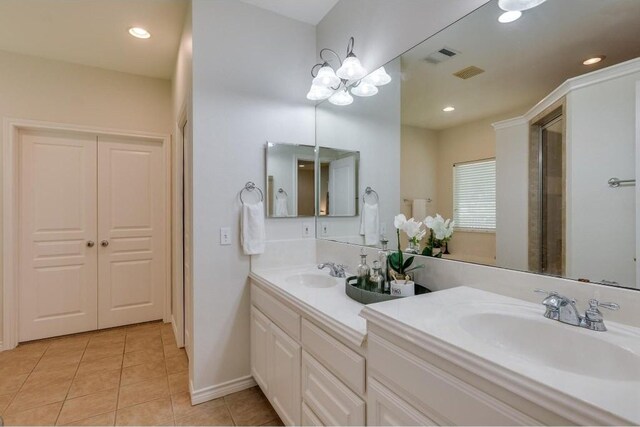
{"x":260,"y":348}
{"x":284,"y":375}
{"x":385,"y":408}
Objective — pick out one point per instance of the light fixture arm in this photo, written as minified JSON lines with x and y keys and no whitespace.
{"x":326,"y":60}
{"x":350,"y":46}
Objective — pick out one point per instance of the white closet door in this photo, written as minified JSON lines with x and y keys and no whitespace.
{"x":58,"y":267}
{"x":131,"y":231}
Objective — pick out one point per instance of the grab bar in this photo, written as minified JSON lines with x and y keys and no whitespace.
{"x":616,"y":182}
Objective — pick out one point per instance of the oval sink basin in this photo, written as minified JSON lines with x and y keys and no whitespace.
{"x":552,"y":344}
{"x":312,"y":280}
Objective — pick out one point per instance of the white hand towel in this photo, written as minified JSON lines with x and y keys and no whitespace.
{"x":370,"y":224}
{"x":281,"y":207}
{"x":419,"y":209}
{"x":253,"y":234}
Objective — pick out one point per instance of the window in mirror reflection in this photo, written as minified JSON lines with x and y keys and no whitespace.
{"x":338,"y":182}
{"x":290,"y":180}
{"x":474,"y":195}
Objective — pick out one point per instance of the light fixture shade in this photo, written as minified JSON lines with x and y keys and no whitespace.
{"x":519,"y":5}
{"x":326,"y":77}
{"x":342,"y":97}
{"x":351,"y":69}
{"x":364,"y":89}
{"x":318,"y":93}
{"x":378,"y":78}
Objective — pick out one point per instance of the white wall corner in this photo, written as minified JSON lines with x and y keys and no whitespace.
{"x":220,"y":390}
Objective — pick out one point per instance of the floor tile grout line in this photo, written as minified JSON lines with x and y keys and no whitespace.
{"x":72,"y":379}
{"x":25,"y":380}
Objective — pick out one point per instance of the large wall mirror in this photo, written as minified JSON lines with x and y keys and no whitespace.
{"x":290,"y":180}
{"x":523,"y":133}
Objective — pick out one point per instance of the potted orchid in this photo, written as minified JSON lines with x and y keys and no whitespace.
{"x":440,"y":232}
{"x":401,"y":267}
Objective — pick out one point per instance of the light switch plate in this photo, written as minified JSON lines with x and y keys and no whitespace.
{"x":306,"y":229}
{"x":225,"y":236}
{"x":324,"y":229}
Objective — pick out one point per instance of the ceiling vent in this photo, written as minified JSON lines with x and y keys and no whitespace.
{"x":469,"y":72}
{"x":442,"y":55}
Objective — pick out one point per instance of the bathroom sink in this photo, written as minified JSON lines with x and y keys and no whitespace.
{"x":312,"y":280}
{"x":548,"y":343}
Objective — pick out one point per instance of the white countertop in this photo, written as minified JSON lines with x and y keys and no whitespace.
{"x":442,"y":315}
{"x":331,"y":302}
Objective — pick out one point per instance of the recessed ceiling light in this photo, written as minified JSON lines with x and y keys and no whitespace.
{"x":594,"y":60}
{"x":140,"y":33}
{"x":519,"y":4}
{"x":510,"y":16}
{"x":448,"y":109}
{"x":301,"y":166}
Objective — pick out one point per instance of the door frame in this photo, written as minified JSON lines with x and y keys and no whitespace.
{"x":10,"y":212}
{"x":178,"y":319}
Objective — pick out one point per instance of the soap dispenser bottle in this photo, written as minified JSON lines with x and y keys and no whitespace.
{"x":383,"y":259}
{"x":363,"y":271}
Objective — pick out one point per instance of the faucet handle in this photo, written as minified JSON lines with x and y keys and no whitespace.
{"x":594,"y":303}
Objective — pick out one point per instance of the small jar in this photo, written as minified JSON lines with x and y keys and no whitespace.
{"x":376,"y":281}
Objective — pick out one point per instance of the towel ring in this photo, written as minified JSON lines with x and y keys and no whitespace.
{"x":251,"y":186}
{"x":369,"y":191}
{"x":281,"y":191}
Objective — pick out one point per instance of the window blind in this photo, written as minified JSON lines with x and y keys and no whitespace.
{"x":474,"y":195}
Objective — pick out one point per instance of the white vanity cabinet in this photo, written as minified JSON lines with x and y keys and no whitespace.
{"x":309,"y":376}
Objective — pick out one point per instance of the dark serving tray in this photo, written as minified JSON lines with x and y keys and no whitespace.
{"x":364,"y":296}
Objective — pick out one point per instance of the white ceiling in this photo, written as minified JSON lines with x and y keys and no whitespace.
{"x":524,"y":60}
{"x":309,"y":11}
{"x":94,"y":32}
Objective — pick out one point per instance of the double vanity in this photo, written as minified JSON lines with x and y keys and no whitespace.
{"x":458,"y":356}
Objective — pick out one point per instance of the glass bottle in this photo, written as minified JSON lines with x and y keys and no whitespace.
{"x":376,"y":281}
{"x":383,"y":258}
{"x":363,"y":271}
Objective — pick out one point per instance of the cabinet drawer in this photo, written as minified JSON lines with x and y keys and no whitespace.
{"x":436,"y":393}
{"x":346,"y":364}
{"x":328,"y":397}
{"x":309,"y":418}
{"x":385,"y":408}
{"x":287,"y":319}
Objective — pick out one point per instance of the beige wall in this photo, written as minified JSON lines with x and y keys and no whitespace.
{"x":40,"y":89}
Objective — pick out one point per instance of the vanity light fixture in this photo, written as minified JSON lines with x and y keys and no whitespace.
{"x":139,"y":32}
{"x":332,"y":85}
{"x":509,"y":16}
{"x":594,"y":60}
{"x":449,"y":109}
{"x":519,"y":5}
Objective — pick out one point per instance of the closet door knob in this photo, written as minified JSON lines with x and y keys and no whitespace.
{"x":104,"y":243}
{"x":91,"y":243}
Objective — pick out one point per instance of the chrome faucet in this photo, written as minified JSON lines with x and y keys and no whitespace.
{"x":335,"y":270}
{"x":563,"y":309}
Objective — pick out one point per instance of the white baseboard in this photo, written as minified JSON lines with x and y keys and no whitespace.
{"x":220,"y":390}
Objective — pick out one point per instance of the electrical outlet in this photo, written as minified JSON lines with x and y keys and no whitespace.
{"x":225,"y":236}
{"x":306,"y":229}
{"x":324,"y":229}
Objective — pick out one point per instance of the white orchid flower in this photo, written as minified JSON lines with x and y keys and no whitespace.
{"x":399,"y":221}
{"x":412,"y":228}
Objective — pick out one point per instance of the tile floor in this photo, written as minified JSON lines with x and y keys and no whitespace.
{"x":133,"y":375}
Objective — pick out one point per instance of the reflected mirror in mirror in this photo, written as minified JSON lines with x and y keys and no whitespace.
{"x":290,"y":180}
{"x":337,"y":182}
{"x":513,"y":132}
